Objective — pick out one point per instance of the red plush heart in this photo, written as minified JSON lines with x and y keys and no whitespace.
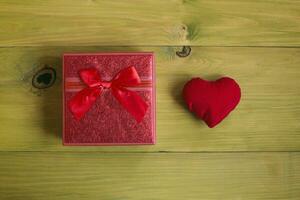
{"x":211,"y":101}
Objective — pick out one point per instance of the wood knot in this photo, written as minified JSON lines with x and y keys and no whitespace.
{"x":44,"y":78}
{"x":186,"y":50}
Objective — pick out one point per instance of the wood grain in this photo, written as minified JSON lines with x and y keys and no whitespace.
{"x":37,"y":176}
{"x":267,"y":118}
{"x":151,"y":22}
{"x":254,"y":41}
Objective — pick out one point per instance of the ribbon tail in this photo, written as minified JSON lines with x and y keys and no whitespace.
{"x":132,"y":102}
{"x":83,"y":101}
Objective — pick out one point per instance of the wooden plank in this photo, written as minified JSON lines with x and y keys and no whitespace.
{"x":153,"y":22}
{"x":295,"y":174}
{"x":267,"y":118}
{"x":149,"y":176}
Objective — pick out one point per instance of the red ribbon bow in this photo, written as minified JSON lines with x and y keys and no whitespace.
{"x":130,"y":100}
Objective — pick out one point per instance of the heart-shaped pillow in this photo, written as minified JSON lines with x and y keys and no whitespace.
{"x":211,"y":101}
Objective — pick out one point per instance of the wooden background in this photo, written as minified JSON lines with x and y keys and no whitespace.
{"x":252,"y":154}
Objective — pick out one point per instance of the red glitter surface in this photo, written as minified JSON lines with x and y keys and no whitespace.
{"x":107,"y":122}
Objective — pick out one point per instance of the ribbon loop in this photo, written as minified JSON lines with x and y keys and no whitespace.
{"x":130,"y":100}
{"x":90,"y":76}
{"x":127,"y":77}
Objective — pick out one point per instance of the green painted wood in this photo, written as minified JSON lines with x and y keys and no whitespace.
{"x":267,"y":118}
{"x":33,"y":163}
{"x":88,"y":176}
{"x":151,"y":22}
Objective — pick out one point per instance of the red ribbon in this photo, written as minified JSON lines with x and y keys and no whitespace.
{"x":130,"y":100}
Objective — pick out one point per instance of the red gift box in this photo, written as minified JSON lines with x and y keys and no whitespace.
{"x":120,"y":91}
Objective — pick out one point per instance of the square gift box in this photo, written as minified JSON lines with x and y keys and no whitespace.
{"x":108,"y":99}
